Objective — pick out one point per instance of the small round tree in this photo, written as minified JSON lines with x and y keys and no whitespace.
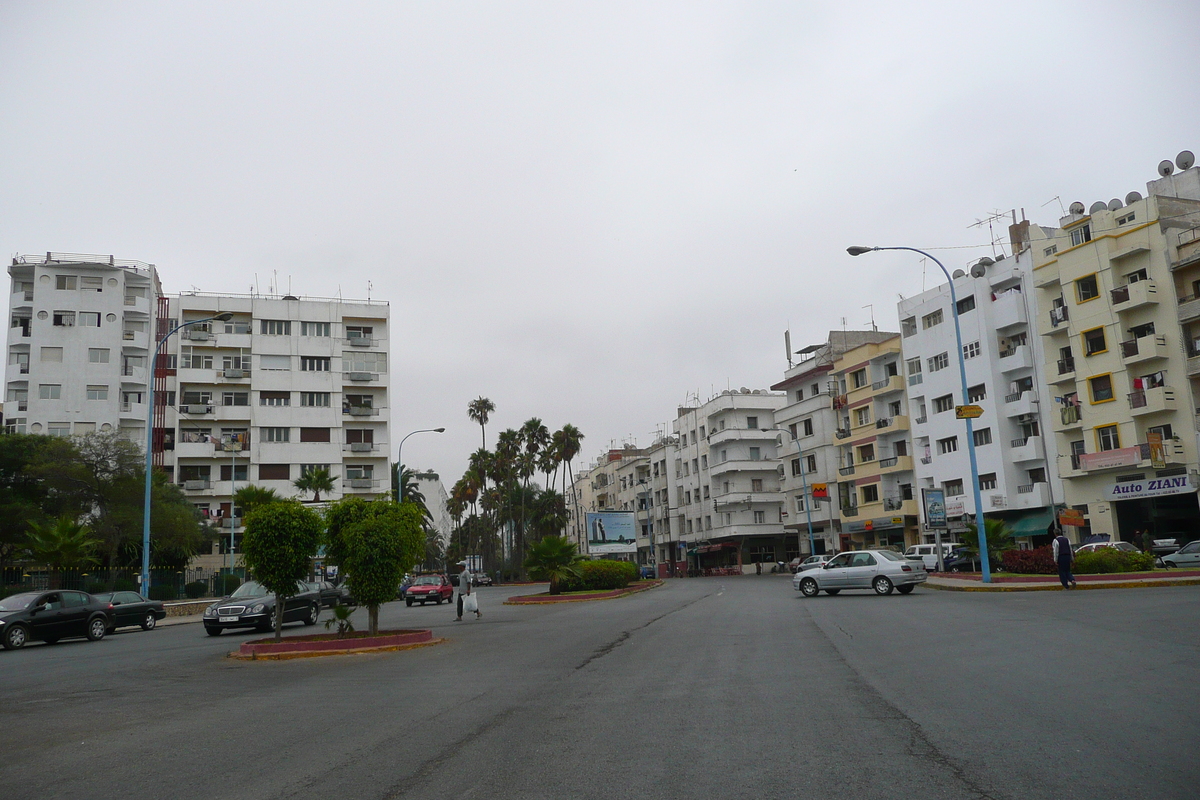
{"x":279,"y":541}
{"x":378,"y":549}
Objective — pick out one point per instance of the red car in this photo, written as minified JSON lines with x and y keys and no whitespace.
{"x":427,"y":588}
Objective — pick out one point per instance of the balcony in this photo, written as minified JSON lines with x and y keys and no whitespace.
{"x":1032,"y":495}
{"x":235,"y":374}
{"x":896,"y":423}
{"x":840,"y":433}
{"x":1193,"y":366}
{"x":1144,"y":349}
{"x":194,"y":410}
{"x":1172,"y":452}
{"x":846,"y":470}
{"x":921,"y":420}
{"x":1027,"y":448}
{"x":896,"y":464}
{"x":128,"y":336}
{"x":1152,"y":401}
{"x":196,"y":485}
{"x":360,"y":411}
{"x":1008,"y":311}
{"x":1058,"y":319}
{"x":1020,"y":403}
{"x":1069,"y":417}
{"x":231,"y":446}
{"x":1189,"y":308}
{"x":195,"y":335}
{"x":360,"y":484}
{"x":892,"y":383}
{"x":1134,"y":295}
{"x":1062,"y":371}
{"x":360,"y":341}
{"x":1015,"y":358}
{"x":740,"y":435}
{"x":361,"y":377}
{"x":850,"y":511}
{"x":926,"y":460}
{"x":360,"y":447}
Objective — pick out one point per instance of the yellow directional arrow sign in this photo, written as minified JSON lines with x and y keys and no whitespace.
{"x":968,"y":412}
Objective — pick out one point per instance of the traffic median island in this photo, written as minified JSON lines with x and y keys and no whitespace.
{"x":972,"y":582}
{"x":330,"y":644}
{"x":544,"y":598}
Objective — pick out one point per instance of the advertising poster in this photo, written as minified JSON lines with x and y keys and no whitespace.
{"x":611,"y":532}
{"x":935,"y":507}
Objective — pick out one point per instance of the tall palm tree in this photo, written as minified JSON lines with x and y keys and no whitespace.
{"x":62,"y":544}
{"x":251,"y":497}
{"x":572,"y":443}
{"x":316,"y":481}
{"x":480,"y":410}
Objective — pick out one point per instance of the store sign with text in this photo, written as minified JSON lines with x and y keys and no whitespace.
{"x":1150,"y":487}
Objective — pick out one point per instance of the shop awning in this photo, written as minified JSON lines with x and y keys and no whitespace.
{"x":1030,"y":524}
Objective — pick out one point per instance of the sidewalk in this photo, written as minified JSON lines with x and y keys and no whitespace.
{"x":972,"y":582}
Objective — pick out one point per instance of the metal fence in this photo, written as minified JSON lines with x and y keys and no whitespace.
{"x":99,"y":580}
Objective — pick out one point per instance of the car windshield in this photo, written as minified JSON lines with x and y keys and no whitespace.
{"x":250,"y":589}
{"x":18,"y":602}
{"x":889,"y":555}
{"x":1191,"y":548}
{"x":104,"y":597}
{"x":427,"y":580}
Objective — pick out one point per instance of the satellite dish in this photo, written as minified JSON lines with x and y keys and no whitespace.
{"x":1132,"y":198}
{"x":1099,"y":205}
{"x":1165,"y":168}
{"x":1114,"y":204}
{"x":978,"y":271}
{"x":1185,"y":159}
{"x":1076,"y":207}
{"x":958,"y":273}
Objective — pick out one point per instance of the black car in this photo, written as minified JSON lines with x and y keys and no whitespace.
{"x":330,"y":594}
{"x":252,"y":606}
{"x":961,"y":561}
{"x":50,"y":616}
{"x":130,"y":608}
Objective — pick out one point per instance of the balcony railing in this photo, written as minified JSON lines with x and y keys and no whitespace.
{"x":360,"y":411}
{"x":846,"y":470}
{"x":1021,"y":442}
{"x":893,"y":503}
{"x":1066,"y":366}
{"x":884,"y":463}
{"x":921,"y":420}
{"x":842,"y":433}
{"x":1058,"y":316}
{"x":1137,"y":399}
{"x":1120,"y":295}
{"x":1070,"y":415}
{"x":883,"y":422}
{"x":926,"y":460}
{"x":1025,"y":488}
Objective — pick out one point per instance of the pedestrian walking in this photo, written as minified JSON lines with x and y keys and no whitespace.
{"x":1063,"y":557}
{"x":466,"y":599}
{"x":1148,"y":542}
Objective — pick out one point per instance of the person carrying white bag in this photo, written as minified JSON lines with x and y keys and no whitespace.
{"x":467,"y":599}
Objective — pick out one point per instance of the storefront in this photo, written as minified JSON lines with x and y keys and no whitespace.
{"x":1166,"y":506}
{"x":882,"y":532}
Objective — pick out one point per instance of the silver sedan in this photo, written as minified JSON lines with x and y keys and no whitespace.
{"x":881,"y":570}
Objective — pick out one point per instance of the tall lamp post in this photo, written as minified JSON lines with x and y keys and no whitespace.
{"x":985,"y":567}
{"x":221,"y":317}
{"x":400,"y":462}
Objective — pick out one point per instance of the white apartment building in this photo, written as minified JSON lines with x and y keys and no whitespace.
{"x":616,"y":482}
{"x":1005,"y":366}
{"x":808,"y":449}
{"x":431,"y":488}
{"x":79,"y":339}
{"x":1118,"y":283}
{"x":656,"y":545}
{"x":728,"y":502}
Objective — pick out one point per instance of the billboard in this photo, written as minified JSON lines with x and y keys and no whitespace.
{"x":611,"y":532}
{"x":935,"y":507}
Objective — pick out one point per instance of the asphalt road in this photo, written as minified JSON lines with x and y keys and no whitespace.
{"x":705,"y":688}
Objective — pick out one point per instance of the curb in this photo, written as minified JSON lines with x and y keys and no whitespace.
{"x":546,"y":600}
{"x":1058,"y":588}
{"x":350,"y":651}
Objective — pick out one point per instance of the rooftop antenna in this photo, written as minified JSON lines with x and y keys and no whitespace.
{"x":1060,"y":205}
{"x":368,"y":291}
{"x":256,"y":289}
{"x":275,"y":288}
{"x":990,"y":221}
{"x":787,"y":345}
{"x":872,"y":307}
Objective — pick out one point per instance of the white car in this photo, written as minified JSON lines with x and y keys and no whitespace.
{"x":813,"y":562}
{"x":881,"y":570}
{"x":1093,"y":546}
{"x":1187,"y":556}
{"x":927,"y":554}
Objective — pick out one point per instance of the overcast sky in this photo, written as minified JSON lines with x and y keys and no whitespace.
{"x":585,"y":212}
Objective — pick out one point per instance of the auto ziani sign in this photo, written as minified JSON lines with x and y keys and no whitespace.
{"x":1153,"y":487}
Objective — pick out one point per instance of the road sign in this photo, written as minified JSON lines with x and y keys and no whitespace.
{"x":968,"y":412}
{"x":1071,"y":516}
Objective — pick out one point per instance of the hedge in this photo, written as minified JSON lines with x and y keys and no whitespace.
{"x":601,"y":575}
{"x":1039,"y":561}
{"x":1107,"y":560}
{"x":163,"y":591}
{"x":196,"y":589}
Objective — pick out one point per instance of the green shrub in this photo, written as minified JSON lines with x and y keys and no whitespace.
{"x":163,"y":592}
{"x":226,"y":584}
{"x":196,"y":589}
{"x":601,"y":575}
{"x":95,"y":587}
{"x":1108,"y":560}
{"x":125,"y":585}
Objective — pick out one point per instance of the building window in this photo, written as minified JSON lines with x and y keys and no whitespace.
{"x":314,"y":434}
{"x":800,"y":503}
{"x":64,"y":319}
{"x":866,"y":453}
{"x":966,"y":304}
{"x":908,"y":326}
{"x":939,"y":362}
{"x":858,"y":378}
{"x":929,"y":320}
{"x":751,"y":424}
{"x":358,"y":331}
{"x":240,"y":474}
{"x":1087,"y":287}
{"x":982,"y":436}
{"x":275,"y":363}
{"x":359,"y":471}
{"x":755,"y":454}
{"x":274,"y":472}
{"x":235,"y":398}
{"x":796,"y":468}
{"x":1108,"y":438}
{"x":970,"y":350}
{"x":953,"y":488}
{"x":52,"y":355}
{"x":862,"y":416}
{"x":987,"y":482}
{"x":943,"y":403}
{"x":50,"y":391}
{"x":811,"y":463}
{"x":314,"y":328}
{"x":977,"y":393}
{"x":276,"y":434}
{"x":1093,"y":342}
{"x":1101,"y":388}
{"x":89,"y":319}
{"x":59,"y":429}
{"x":1081,"y":235}
{"x":275,"y":327}
{"x":367,"y":436}
{"x":314,"y":399}
{"x":807,"y":424}
{"x":314,"y":363}
{"x":914,"y":366}
{"x":760,"y":517}
{"x":307,"y":468}
{"x":870,"y":493}
{"x":98,"y":355}
{"x":97,"y":393}
{"x":756,"y":484}
{"x":948,"y":445}
{"x":274,"y":398}
{"x":366,"y":361}
{"x":65,"y":281}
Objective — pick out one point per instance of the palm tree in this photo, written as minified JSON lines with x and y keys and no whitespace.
{"x":553,"y":559}
{"x":63,"y":544}
{"x":480,"y":410}
{"x":251,"y":497}
{"x":316,"y":481}
{"x":412,"y":491}
{"x":999,"y":538}
{"x":572,"y":443}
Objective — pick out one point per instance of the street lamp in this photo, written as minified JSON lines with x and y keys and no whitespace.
{"x":962,"y":374}
{"x":400,"y":463}
{"x":222,"y":317}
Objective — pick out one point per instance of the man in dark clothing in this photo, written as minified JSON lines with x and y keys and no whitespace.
{"x":1063,"y":557}
{"x":1147,"y":542}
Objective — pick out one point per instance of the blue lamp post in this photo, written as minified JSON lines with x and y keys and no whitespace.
{"x":222,"y":317}
{"x":962,"y":374}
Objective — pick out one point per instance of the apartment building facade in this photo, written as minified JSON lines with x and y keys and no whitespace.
{"x":1005,"y":369}
{"x":1113,"y":283}
{"x":616,"y":482}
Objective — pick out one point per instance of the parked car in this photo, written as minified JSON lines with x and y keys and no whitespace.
{"x":1165,"y":546}
{"x":961,"y":561}
{"x":881,"y":570}
{"x":344,"y":595}
{"x":130,"y":608}
{"x":1093,"y":546}
{"x":1187,"y":556}
{"x":403,"y":588}
{"x":50,"y":616}
{"x":927,"y":554}
{"x":812,"y":562}
{"x":429,"y":588}
{"x":483,"y":579}
{"x":252,"y":606}
{"x":330,"y":594}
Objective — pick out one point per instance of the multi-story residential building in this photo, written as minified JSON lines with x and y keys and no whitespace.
{"x":1107,"y":279}
{"x":656,"y":546}
{"x":431,"y":488}
{"x":78,"y":345}
{"x":875,"y":488}
{"x":727,"y":499}
{"x":808,"y":449}
{"x":1005,"y":367}
{"x":286,"y":386}
{"x":615,"y":482}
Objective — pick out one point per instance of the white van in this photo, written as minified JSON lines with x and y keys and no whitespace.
{"x":927,"y":553}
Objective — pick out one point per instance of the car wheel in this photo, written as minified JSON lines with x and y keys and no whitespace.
{"x":96,"y":629}
{"x":955,"y":569}
{"x":906,"y":589}
{"x":269,"y":623}
{"x":832,"y":591}
{"x":882,"y":585}
{"x":212,"y":631}
{"x":408,"y":602}
{"x":149,"y":622}
{"x":809,"y":588}
{"x":15,"y":637}
{"x":314,"y":611}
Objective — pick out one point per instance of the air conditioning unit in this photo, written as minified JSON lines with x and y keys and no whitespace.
{"x":361,"y":447}
{"x":362,"y":376}
{"x":360,"y":341}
